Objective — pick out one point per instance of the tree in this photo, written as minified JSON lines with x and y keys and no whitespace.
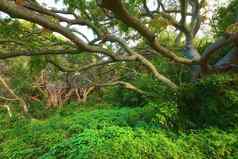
{"x":123,"y":32}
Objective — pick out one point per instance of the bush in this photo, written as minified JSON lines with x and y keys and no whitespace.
{"x":126,"y":143}
{"x":38,"y":110}
{"x":36,"y":137}
{"x":122,"y":97}
{"x":107,"y":132}
{"x":110,"y":142}
{"x":163,"y":115}
{"x":210,"y":102}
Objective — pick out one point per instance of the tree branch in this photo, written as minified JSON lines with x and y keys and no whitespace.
{"x":220,"y":43}
{"x":127,"y":85}
{"x":13,"y":95}
{"x":43,"y":52}
{"x":121,"y":13}
{"x":14,"y":10}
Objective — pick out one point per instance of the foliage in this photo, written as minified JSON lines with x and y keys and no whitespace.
{"x":199,"y":120}
{"x":35,"y":137}
{"x":121,"y":97}
{"x":210,"y":102}
{"x":123,"y":142}
{"x":225,"y":17}
{"x":103,"y":131}
{"x":155,"y":90}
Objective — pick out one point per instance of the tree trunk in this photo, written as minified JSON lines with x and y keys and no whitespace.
{"x":191,"y":53}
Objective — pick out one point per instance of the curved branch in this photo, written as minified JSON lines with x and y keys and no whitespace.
{"x":14,"y":10}
{"x":220,"y":43}
{"x":127,"y":85}
{"x":13,"y":95}
{"x":121,"y":13}
{"x":144,"y":61}
{"x":228,"y":62}
{"x":53,"y":13}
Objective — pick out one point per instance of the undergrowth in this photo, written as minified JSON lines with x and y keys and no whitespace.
{"x":201,"y":124}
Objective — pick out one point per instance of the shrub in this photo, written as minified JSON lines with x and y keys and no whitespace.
{"x":162,"y":115}
{"x":127,"y":143}
{"x":210,"y":102}
{"x":122,"y":97}
{"x":38,"y":136}
{"x":115,"y":142}
{"x":142,"y":132}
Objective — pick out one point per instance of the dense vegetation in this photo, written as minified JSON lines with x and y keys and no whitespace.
{"x":156,"y":130}
{"x":125,"y":80}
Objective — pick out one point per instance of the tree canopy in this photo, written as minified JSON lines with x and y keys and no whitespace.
{"x":123,"y":31}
